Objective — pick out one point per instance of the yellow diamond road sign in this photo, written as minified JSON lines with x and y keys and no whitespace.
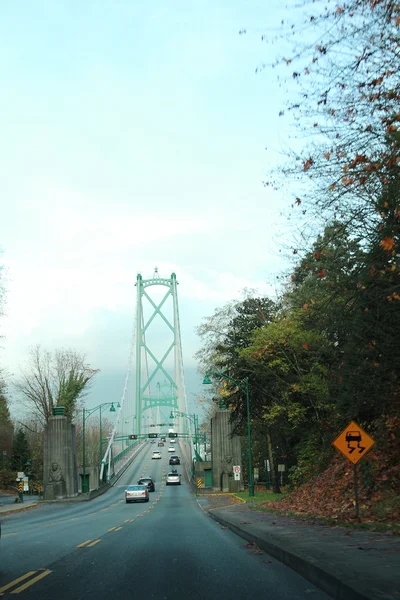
{"x":353,"y":442}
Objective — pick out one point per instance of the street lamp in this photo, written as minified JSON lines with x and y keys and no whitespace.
{"x":194,"y":420}
{"x":239,"y":383}
{"x":86,"y":413}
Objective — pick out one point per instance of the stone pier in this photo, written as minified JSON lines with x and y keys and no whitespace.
{"x":59,"y":465}
{"x":226,"y":452}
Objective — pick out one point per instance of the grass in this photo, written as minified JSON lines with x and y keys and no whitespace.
{"x":259,"y":497}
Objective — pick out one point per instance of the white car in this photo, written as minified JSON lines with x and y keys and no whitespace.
{"x":156,"y":454}
{"x":173,"y":478}
{"x":171,"y":449}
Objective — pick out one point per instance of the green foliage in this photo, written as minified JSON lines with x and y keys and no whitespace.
{"x":20,"y":450}
{"x":6,"y":429}
{"x":72,"y":385}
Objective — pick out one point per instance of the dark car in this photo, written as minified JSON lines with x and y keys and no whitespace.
{"x":174,"y":460}
{"x":148,"y":482}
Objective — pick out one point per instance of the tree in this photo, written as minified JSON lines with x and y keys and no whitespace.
{"x":20,"y":450}
{"x":344,"y":61}
{"x":33,"y":429}
{"x":6,"y":436}
{"x":92,"y":439}
{"x":224,"y":335}
{"x":53,"y":379}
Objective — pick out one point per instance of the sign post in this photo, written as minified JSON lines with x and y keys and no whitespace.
{"x":354,"y":444}
{"x":281,"y":470}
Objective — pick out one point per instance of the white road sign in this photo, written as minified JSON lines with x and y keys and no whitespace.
{"x":236,"y":469}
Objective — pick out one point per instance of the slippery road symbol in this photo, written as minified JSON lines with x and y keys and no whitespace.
{"x":353,"y":442}
{"x":353,"y":437}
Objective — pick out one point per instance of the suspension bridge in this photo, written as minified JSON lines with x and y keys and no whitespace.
{"x":153,"y":401}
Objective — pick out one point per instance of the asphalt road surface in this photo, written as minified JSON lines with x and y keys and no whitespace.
{"x":165,"y":549}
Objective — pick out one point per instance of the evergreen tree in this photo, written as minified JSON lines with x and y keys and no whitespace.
{"x":20,"y":450}
{"x":6,"y":430}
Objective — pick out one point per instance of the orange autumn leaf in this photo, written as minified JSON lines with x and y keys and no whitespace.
{"x":307,"y":164}
{"x":321,"y":273}
{"x":387,"y":243}
{"x":305,"y":346}
{"x":305,"y":306}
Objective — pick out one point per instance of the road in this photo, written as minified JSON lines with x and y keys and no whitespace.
{"x":165,"y":549}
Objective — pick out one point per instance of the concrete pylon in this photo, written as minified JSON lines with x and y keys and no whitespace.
{"x":226,"y":453}
{"x":59,"y":464}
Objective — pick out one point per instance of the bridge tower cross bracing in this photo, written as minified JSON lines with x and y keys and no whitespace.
{"x":147,"y":379}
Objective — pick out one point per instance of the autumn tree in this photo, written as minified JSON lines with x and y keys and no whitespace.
{"x":223,"y":336}
{"x":58,"y":378}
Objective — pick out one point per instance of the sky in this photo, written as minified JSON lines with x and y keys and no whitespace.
{"x":133,"y":136}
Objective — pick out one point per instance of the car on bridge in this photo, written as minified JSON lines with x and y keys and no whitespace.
{"x":155,"y":454}
{"x":173,"y":478}
{"x":136,"y":493}
{"x":171,"y":449}
{"x":174,"y":460}
{"x":148,"y":482}
{"x":160,"y":444}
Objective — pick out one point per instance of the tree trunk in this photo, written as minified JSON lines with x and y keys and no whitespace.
{"x":274,"y":476}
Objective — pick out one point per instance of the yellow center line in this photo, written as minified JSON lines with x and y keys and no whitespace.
{"x":31,"y":582}
{"x":90,"y":514}
{"x":83,"y":544}
{"x":71,"y":519}
{"x":8,"y":534}
{"x":9,"y":585}
{"x":112,"y":528}
{"x":118,"y":528}
{"x":93,"y":543}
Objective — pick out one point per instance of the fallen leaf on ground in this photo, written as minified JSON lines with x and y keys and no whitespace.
{"x":250,"y":545}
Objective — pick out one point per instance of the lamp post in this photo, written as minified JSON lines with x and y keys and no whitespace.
{"x":86,"y":413}
{"x":239,"y":383}
{"x":193,"y":419}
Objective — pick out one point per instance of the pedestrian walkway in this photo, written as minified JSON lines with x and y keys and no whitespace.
{"x":8,"y":504}
{"x":348,"y":564}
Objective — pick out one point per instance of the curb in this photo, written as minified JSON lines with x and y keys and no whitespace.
{"x":241,"y":499}
{"x":315,"y":574}
{"x":18,"y":509}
